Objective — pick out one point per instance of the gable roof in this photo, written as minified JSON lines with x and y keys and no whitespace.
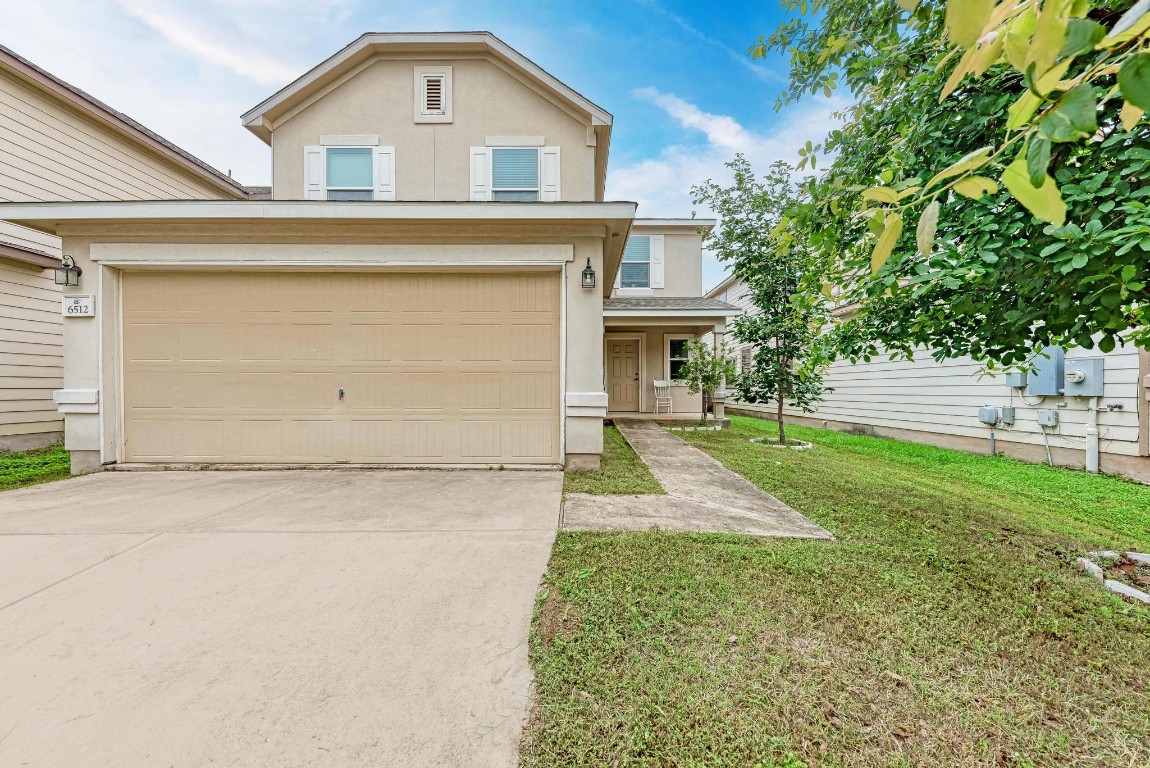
{"x":100,"y":112}
{"x":261,"y":119}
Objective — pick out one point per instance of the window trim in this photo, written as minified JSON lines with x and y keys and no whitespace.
{"x":328,"y":190}
{"x":667,"y":339}
{"x":419,"y":102}
{"x":537,"y":189}
{"x":637,"y":289}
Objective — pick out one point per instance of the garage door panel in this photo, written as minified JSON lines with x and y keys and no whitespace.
{"x":436,"y":368}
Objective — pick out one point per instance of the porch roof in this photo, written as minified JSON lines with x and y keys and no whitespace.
{"x":663,"y":306}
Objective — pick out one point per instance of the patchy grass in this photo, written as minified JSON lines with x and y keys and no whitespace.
{"x":947,"y":626}
{"x":621,"y":471}
{"x":31,"y":467}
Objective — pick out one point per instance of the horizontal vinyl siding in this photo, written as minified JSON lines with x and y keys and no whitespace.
{"x":943,"y":398}
{"x":53,"y":153}
{"x":31,"y":351}
{"x":28,"y":239}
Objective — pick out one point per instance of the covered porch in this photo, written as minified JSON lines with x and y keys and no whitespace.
{"x":645,"y":340}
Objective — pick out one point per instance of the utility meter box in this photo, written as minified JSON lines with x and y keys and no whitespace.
{"x":1006,"y":415}
{"x":1084,"y":377}
{"x":988,"y":414}
{"x":1016,"y":379}
{"x":1047,"y":417}
{"x":1047,"y":372}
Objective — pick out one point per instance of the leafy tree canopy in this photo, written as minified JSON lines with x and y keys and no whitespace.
{"x":987,"y":191}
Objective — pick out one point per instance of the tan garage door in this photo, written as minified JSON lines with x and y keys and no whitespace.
{"x":433,"y":368}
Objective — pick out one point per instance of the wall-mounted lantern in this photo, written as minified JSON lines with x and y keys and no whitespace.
{"x":588,"y":275}
{"x":68,"y":273}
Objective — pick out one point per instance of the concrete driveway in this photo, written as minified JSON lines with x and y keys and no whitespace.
{"x":305,"y":618}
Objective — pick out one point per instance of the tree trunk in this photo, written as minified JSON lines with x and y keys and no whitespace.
{"x":782,"y":428}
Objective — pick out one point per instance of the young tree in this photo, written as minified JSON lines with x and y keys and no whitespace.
{"x":986,"y":192}
{"x":705,"y":371}
{"x":758,"y":238}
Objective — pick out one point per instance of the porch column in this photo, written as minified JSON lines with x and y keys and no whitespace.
{"x":719,"y":400}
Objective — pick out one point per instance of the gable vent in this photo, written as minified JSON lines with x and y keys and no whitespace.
{"x":433,"y":94}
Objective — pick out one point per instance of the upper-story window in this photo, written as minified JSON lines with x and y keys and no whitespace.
{"x":642,"y":265}
{"x":349,"y":168}
{"x":515,"y":174}
{"x":635,"y":271}
{"x":349,"y":173}
{"x":517,"y":169}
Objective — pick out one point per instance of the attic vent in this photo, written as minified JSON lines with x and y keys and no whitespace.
{"x":433,"y":94}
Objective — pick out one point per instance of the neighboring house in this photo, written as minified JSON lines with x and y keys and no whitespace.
{"x":58,"y":143}
{"x":426,"y":285}
{"x":938,"y":403}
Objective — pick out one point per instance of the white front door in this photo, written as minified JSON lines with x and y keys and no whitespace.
{"x":623,"y":375}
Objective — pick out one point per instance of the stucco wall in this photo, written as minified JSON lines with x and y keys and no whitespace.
{"x":432,"y":160}
{"x":95,"y":435}
{"x":682,"y":263}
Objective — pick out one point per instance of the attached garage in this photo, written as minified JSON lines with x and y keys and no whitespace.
{"x":322,"y":367}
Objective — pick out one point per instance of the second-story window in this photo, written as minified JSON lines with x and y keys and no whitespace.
{"x":635,"y":271}
{"x":349,"y":173}
{"x":348,"y":167}
{"x":515,"y":174}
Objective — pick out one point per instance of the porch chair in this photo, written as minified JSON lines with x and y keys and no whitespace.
{"x":662,"y":395}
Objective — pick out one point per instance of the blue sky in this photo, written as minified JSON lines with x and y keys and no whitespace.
{"x":675,"y":74}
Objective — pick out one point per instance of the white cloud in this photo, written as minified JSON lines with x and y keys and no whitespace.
{"x":202,"y":35}
{"x":662,"y":184}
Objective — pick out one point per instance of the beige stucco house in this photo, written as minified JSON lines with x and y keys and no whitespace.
{"x":429,"y":283}
{"x":927,"y":401}
{"x":58,"y":143}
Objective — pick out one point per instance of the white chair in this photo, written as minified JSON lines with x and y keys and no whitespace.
{"x":662,"y":395}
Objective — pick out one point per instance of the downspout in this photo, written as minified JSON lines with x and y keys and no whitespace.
{"x":1092,"y":437}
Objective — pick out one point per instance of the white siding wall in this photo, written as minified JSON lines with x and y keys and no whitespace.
{"x":943,"y":398}
{"x":31,"y":359}
{"x":49,"y":152}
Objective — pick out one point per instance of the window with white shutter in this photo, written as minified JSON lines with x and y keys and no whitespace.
{"x":349,"y":173}
{"x":433,"y":94}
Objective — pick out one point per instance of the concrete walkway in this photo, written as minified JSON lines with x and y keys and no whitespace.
{"x":323,"y":618}
{"x":702,"y":495}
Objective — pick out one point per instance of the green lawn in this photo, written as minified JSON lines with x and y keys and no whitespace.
{"x":621,"y":471}
{"x":30,"y":467}
{"x":947,"y":625}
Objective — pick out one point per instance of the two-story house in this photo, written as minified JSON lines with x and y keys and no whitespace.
{"x":428,"y":285}
{"x":59,"y":143}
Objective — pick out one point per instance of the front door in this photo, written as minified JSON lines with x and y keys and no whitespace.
{"x":623,"y":375}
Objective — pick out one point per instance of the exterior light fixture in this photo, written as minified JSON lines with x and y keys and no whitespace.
{"x":588,"y":275}
{"x":68,"y":273}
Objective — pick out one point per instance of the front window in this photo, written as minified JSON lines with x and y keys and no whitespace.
{"x":676,"y":358}
{"x":515,"y":174}
{"x":349,"y":173}
{"x":636,"y":269}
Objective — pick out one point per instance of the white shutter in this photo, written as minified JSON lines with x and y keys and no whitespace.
{"x":480,"y":173}
{"x":656,"y":261}
{"x":384,"y":172}
{"x":549,"y":174}
{"x":313,"y":186}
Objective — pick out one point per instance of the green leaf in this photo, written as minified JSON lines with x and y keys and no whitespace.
{"x":1022,"y":110}
{"x":1044,"y":201}
{"x":927,"y":228}
{"x":1049,"y":33}
{"x":881,"y":195}
{"x":1128,"y":273}
{"x":1081,"y":36}
{"x":1074,"y":117}
{"x":975,"y":187}
{"x":965,"y":20}
{"x":1037,"y":159}
{"x":1133,"y":23}
{"x":1134,"y":80}
{"x":968,"y":162}
{"x":886,"y":242}
{"x":1106,"y":344}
